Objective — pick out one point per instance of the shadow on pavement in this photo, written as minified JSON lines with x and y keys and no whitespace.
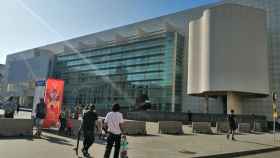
{"x":187,"y":152}
{"x":148,"y":135}
{"x":56,"y":140}
{"x":100,"y":141}
{"x":184,"y":134}
{"x":30,"y":138}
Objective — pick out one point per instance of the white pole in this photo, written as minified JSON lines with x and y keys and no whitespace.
{"x":274,"y":125}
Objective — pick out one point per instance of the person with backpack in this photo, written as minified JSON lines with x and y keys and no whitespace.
{"x":113,"y":122}
{"x":232,"y":125}
{"x":40,"y":115}
{"x":88,"y":129}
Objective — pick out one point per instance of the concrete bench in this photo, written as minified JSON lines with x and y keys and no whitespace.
{"x":202,"y":127}
{"x":16,"y":127}
{"x":244,"y":128}
{"x":222,"y":127}
{"x":131,"y":127}
{"x":170,"y":127}
{"x":257,"y":127}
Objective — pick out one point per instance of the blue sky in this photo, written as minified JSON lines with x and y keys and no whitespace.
{"x":26,"y":24}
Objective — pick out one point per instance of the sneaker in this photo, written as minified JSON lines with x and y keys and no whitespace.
{"x":85,"y":153}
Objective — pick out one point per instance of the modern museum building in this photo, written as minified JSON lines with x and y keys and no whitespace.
{"x":208,"y":59}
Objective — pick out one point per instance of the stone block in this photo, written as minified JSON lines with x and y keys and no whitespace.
{"x":131,"y":127}
{"x":16,"y":127}
{"x":222,"y":127}
{"x":257,"y":127}
{"x":76,"y":126}
{"x":202,"y":127}
{"x":244,"y":128}
{"x":170,"y":127}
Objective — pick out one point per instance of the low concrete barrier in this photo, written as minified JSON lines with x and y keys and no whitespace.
{"x":131,"y":127}
{"x":202,"y":127}
{"x":16,"y":127}
{"x":257,"y":127}
{"x":222,"y":127}
{"x":244,"y":128}
{"x":155,"y":116}
{"x":170,"y":127}
{"x":76,"y":126}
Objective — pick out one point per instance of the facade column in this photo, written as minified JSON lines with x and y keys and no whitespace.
{"x":206,"y":104}
{"x":234,"y":102}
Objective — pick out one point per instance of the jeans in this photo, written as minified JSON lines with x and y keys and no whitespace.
{"x":111,"y":140}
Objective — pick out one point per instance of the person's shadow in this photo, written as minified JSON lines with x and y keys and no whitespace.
{"x":56,"y":140}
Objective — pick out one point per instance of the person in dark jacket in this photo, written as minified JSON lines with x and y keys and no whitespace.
{"x":88,"y":128}
{"x":40,"y":115}
{"x":232,"y":124}
{"x":63,"y":121}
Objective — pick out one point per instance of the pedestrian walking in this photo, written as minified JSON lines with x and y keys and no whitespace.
{"x":88,"y":127}
{"x":232,"y":125}
{"x":63,"y":120}
{"x":69,"y":124}
{"x":77,"y":112}
{"x":9,"y":108}
{"x":40,"y":115}
{"x":114,"y":121}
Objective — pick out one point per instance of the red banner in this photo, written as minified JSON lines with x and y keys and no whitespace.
{"x":53,"y":99}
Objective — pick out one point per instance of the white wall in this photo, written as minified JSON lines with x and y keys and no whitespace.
{"x":228,"y":51}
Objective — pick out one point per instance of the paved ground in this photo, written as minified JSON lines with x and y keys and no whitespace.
{"x":152,"y":146}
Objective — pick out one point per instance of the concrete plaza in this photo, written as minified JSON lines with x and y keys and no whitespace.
{"x":152,"y":146}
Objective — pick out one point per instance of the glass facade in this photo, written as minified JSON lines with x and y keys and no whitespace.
{"x":128,"y":72}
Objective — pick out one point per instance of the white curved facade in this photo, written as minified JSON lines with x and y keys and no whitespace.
{"x":228,"y":52}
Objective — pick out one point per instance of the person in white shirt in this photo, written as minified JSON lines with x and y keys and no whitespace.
{"x":113,"y":121}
